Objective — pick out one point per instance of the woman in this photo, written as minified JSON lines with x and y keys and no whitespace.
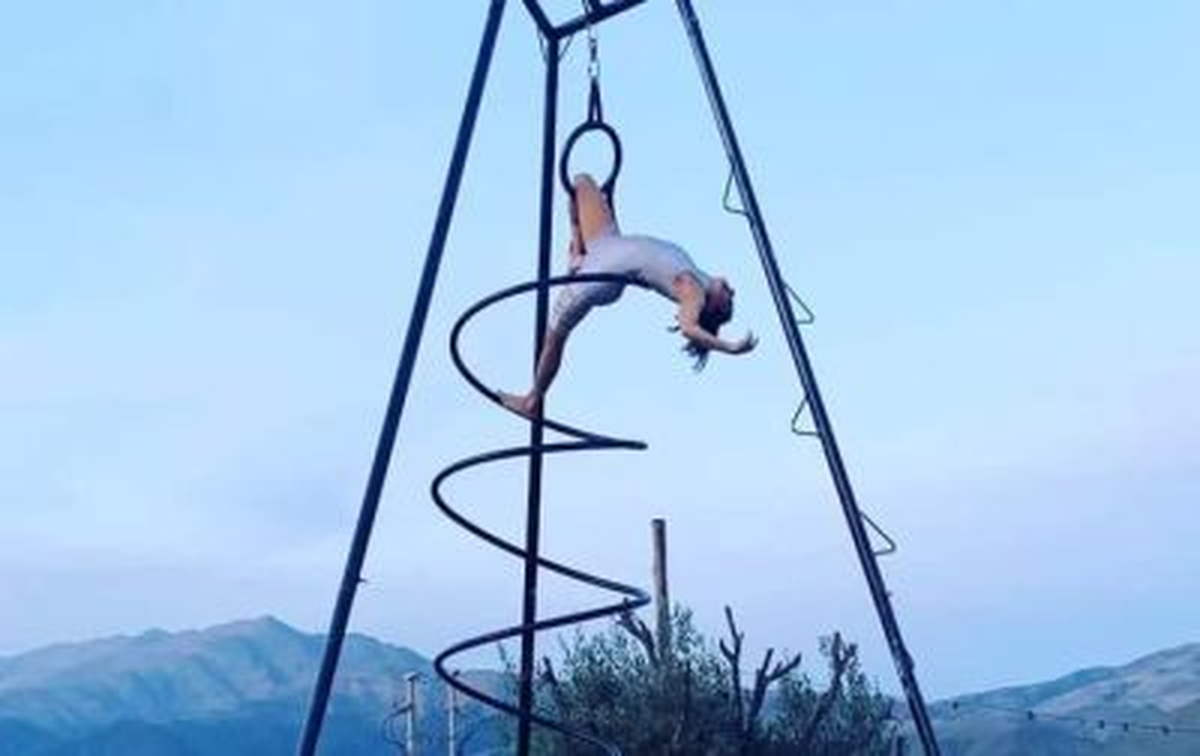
{"x":705,"y":302}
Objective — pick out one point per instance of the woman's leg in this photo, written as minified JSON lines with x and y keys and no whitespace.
{"x":549,"y":360}
{"x":595,"y":217}
{"x":575,"y":251}
{"x":572,"y":303}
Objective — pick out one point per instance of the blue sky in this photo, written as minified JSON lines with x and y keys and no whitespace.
{"x":212,"y":216}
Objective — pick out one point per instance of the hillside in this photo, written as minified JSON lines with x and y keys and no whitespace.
{"x":242,"y":689}
{"x":239,"y":688}
{"x":1149,"y":706}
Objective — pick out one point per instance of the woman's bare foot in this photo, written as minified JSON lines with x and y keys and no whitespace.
{"x":523,"y":404}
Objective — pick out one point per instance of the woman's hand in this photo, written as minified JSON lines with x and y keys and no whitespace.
{"x":744,"y":344}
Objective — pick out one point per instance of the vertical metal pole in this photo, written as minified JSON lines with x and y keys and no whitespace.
{"x":841,"y":479}
{"x":525,"y":700}
{"x":352,"y":575}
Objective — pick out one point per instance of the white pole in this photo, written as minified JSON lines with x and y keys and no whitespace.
{"x":410,"y":714}
{"x":452,"y":719}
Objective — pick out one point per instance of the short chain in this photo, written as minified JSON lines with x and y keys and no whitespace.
{"x":595,"y":108}
{"x":593,"y":56}
{"x":593,"y":47}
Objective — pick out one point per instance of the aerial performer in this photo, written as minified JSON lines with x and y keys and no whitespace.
{"x":704,"y":301}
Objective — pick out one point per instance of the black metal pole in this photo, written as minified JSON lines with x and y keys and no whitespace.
{"x":841,"y":479}
{"x":525,"y":698}
{"x":387,"y":436}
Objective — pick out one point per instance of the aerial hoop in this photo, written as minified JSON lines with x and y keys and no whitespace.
{"x":564,"y":169}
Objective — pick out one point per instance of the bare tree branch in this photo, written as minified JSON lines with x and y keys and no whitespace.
{"x":548,"y":671}
{"x":734,"y":657}
{"x":840,"y":656}
{"x":641,"y":631}
{"x":561,"y":700}
{"x":764,"y":677}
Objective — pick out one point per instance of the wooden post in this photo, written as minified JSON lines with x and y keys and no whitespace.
{"x":662,"y":598}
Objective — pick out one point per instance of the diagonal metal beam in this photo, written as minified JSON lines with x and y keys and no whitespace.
{"x":543,"y":22}
{"x":352,"y":575}
{"x":833,"y":457}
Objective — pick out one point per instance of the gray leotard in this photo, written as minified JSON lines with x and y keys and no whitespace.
{"x":646,"y":259}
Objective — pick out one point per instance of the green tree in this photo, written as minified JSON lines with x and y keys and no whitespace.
{"x":849,"y":717}
{"x":672,"y":693}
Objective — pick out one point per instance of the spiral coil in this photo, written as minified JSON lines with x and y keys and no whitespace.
{"x":632,"y":598}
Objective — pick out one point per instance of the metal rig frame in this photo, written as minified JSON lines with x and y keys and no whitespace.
{"x":594,"y":12}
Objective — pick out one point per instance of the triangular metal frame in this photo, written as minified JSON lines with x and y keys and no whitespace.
{"x":594,"y":12}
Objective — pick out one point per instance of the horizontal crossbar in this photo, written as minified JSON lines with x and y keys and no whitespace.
{"x":597,"y":11}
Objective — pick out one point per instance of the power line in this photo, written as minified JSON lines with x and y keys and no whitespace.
{"x":1100,"y":723}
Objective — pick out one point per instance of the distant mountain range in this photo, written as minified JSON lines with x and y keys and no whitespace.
{"x":1150,"y":707}
{"x":242,"y":689}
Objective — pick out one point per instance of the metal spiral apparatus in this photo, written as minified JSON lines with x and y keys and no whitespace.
{"x":552,"y":36}
{"x":578,"y":440}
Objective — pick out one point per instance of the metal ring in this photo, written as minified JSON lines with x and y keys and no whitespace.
{"x":580,"y":130}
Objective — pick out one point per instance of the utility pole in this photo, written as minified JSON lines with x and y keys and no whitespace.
{"x":662,"y":598}
{"x":452,"y":705}
{"x":410,"y":714}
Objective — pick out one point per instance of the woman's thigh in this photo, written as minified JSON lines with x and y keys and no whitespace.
{"x":574,"y":300}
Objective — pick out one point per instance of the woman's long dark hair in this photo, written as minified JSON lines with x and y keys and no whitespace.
{"x":711,"y":321}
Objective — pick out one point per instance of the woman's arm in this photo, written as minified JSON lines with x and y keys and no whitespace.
{"x":691,"y":303}
{"x":693,"y":332}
